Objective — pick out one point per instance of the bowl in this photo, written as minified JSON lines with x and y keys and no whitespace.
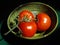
{"x":35,"y":8}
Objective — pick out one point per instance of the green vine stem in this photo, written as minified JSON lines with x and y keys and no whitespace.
{"x":11,"y":30}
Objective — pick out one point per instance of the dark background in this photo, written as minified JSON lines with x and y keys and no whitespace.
{"x":7,"y":6}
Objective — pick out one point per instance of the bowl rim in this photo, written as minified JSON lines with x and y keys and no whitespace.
{"x":42,"y":4}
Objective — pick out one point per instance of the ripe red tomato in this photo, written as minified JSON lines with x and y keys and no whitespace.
{"x":43,"y":22}
{"x":28,"y":28}
{"x":25,"y":15}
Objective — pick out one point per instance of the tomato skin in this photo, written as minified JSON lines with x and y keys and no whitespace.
{"x":43,"y":22}
{"x":26,"y":13}
{"x":28,"y":28}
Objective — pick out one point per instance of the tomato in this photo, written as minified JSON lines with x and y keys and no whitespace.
{"x":26,"y":15}
{"x":44,"y":21}
{"x":28,"y":28}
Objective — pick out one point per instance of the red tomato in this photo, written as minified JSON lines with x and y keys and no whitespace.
{"x":28,"y":28}
{"x":25,"y":15}
{"x":43,"y":22}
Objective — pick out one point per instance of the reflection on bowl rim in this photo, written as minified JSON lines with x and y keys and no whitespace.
{"x":47,"y":6}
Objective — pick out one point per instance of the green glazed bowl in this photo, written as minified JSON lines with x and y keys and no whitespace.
{"x":35,"y":8}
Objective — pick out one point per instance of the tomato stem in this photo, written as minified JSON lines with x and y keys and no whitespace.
{"x":26,"y":19}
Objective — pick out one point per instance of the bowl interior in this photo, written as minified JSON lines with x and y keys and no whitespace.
{"x":35,"y":8}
